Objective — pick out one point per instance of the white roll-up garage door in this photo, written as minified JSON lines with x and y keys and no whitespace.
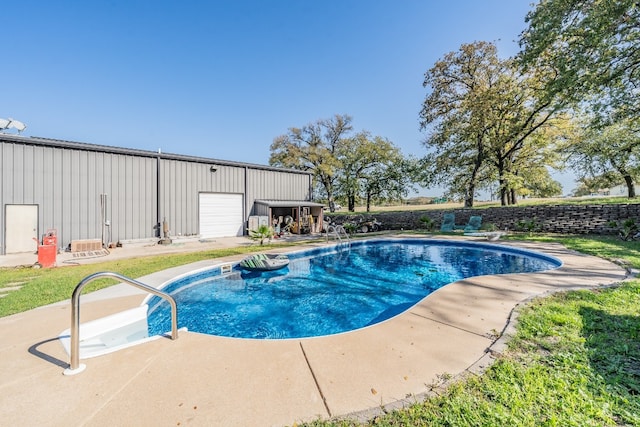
{"x":220,"y":215}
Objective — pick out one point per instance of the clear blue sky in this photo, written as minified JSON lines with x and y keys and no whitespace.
{"x":223,"y":79}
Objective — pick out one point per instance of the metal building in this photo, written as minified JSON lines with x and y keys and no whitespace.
{"x":110,"y":194}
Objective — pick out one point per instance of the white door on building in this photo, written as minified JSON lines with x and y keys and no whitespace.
{"x":21,"y":227}
{"x":220,"y":215}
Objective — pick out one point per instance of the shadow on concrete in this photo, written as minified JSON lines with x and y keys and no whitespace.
{"x":46,"y":357}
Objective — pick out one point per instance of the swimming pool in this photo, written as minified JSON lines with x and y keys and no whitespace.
{"x":332,"y":290}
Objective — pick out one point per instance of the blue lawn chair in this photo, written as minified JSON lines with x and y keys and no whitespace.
{"x":448,"y":222}
{"x":474,"y":224}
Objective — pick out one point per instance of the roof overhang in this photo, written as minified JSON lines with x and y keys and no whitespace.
{"x":288,"y":203}
{"x":56,"y":143}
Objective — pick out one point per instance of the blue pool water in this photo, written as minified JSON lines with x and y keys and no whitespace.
{"x":328,"y":291}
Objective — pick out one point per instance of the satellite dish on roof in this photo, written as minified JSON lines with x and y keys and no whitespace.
{"x":17,"y":125}
{"x":12,"y":124}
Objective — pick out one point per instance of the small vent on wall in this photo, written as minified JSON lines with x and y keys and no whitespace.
{"x":86,"y":245}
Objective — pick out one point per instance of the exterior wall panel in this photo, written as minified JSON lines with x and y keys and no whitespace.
{"x":276,"y":186}
{"x":182,"y":181}
{"x":66,"y":185}
{"x":3,"y":157}
{"x":66,"y":180}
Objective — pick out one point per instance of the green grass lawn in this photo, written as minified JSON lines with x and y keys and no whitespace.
{"x":40,"y":287}
{"x":574,"y":361}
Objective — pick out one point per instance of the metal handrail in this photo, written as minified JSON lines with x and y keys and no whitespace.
{"x":74,"y":365}
{"x":340,"y":229}
{"x":336,"y":230}
{"x":331,"y":231}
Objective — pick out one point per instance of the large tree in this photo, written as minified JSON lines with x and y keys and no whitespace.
{"x":483,"y":115}
{"x":611,"y":151}
{"x":531,"y":164}
{"x":454,"y":111}
{"x":358,"y":155}
{"x":314,"y":148}
{"x":593,"y":46}
{"x":519,"y":115}
{"x":373,"y":168}
{"x":390,"y":180}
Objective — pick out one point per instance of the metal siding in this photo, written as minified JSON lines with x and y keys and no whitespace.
{"x":57,"y":196}
{"x":115,"y":178}
{"x":28,"y":169}
{"x":142,"y":199}
{"x":167,"y":194}
{"x":92,"y":194}
{"x":2,"y":226}
{"x":129,"y":203}
{"x":190,"y":209}
{"x":151,"y":194}
{"x":105,"y":186}
{"x":78,"y":178}
{"x":135,"y":194}
{"x":272,"y":185}
{"x":65,"y":207}
{"x":132,"y":196}
{"x":179,"y":196}
{"x":120,"y":169}
{"x":261,"y":210}
{"x":84,"y":207}
{"x":118,"y":183}
{"x":66,"y":183}
{"x":4,"y":173}
{"x":139,"y":176}
{"x":139,"y":204}
{"x":47,"y":193}
{"x":103,"y":172}
{"x":8,"y":174}
{"x":184,"y":195}
{"x":170,"y":185}
{"x":18,"y":189}
{"x":183,"y":181}
{"x":72,"y":201}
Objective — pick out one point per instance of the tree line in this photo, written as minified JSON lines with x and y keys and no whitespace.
{"x":348,"y":166}
{"x":568,"y":99}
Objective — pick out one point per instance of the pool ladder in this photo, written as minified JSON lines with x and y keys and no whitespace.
{"x":339,"y":233}
{"x":74,"y":366}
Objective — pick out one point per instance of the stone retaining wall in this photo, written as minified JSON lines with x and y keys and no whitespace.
{"x":568,"y":219}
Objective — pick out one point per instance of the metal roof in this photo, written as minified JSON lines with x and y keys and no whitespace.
{"x":288,"y":203}
{"x":58,"y":143}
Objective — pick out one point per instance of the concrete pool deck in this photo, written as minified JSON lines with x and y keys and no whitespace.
{"x":204,"y":380}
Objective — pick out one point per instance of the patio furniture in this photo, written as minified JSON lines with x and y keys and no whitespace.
{"x":473,"y":225}
{"x":448,"y":222}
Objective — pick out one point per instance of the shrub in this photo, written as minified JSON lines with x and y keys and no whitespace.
{"x":528,"y":225}
{"x":263,"y":232}
{"x":427,"y":223}
{"x":627,"y":229}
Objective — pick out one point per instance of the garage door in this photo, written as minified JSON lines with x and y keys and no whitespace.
{"x":221,"y":215}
